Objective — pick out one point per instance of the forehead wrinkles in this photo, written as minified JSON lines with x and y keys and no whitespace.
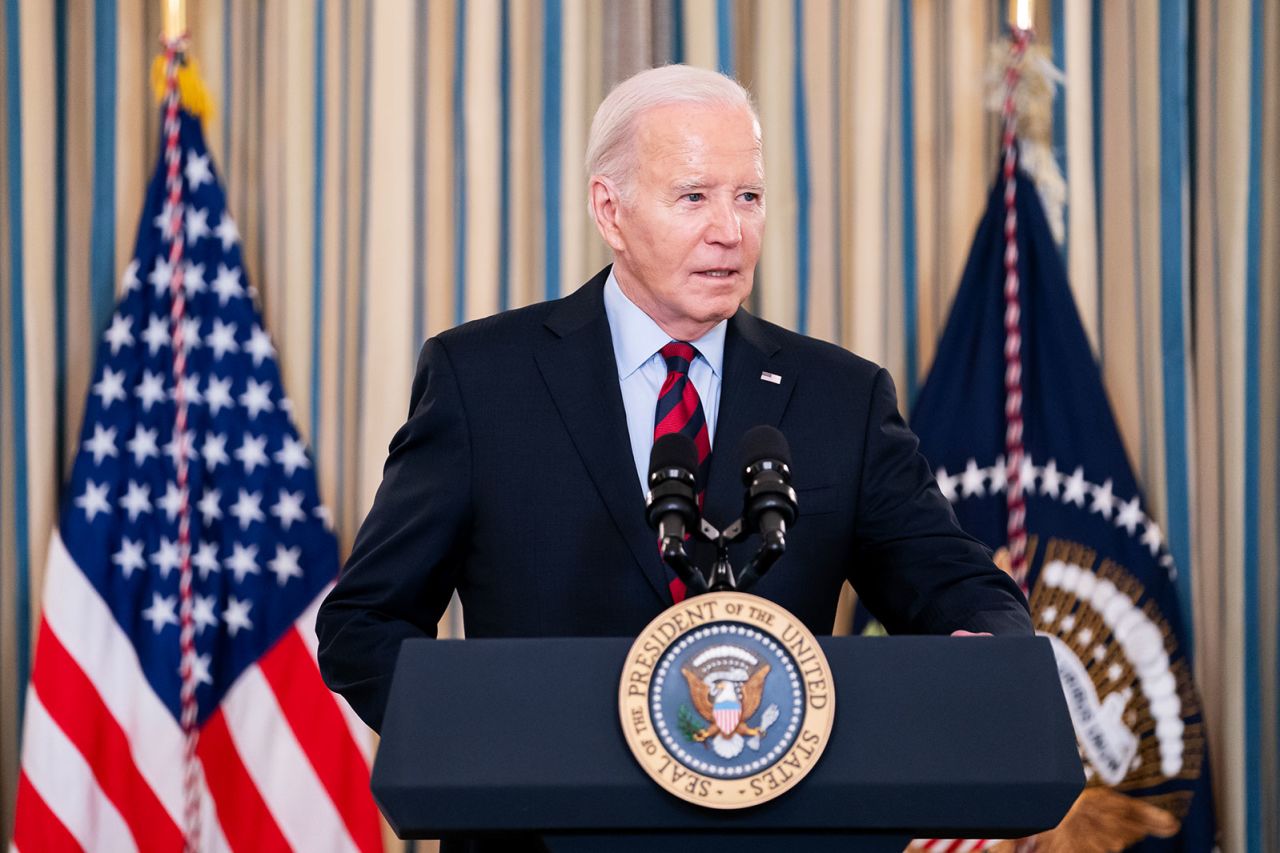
{"x":673,"y":144}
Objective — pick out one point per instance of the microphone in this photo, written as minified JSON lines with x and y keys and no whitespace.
{"x":671,"y":507}
{"x":770,"y":502}
{"x":672,"y":504}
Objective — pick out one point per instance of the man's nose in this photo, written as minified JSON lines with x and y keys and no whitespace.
{"x":725,"y":227}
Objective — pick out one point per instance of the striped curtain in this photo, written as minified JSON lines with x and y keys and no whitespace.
{"x":397,"y":168}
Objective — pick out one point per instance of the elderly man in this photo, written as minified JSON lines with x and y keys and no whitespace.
{"x":519,"y":477}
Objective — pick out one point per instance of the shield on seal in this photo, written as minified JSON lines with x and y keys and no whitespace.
{"x":727,"y":709}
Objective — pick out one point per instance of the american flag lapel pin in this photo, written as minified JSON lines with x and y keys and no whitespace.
{"x":771,"y":377}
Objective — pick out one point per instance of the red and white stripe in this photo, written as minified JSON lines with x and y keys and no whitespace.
{"x":1013,"y":450}
{"x":952,"y":845}
{"x":282,"y":766}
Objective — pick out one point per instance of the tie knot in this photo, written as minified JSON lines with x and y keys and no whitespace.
{"x":678,"y":355}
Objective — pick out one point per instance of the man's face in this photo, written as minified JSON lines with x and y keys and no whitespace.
{"x":686,"y":243}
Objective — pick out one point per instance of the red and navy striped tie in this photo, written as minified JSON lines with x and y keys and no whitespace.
{"x":680,"y":410}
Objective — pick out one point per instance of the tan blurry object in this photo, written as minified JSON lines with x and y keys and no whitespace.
{"x":1100,"y":821}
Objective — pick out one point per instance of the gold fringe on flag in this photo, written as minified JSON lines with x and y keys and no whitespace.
{"x":193,"y":94}
{"x":1038,"y":80}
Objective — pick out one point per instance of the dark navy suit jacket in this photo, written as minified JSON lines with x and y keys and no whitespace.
{"x":513,"y":482}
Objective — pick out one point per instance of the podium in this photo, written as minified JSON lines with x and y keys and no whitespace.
{"x":933,"y":736}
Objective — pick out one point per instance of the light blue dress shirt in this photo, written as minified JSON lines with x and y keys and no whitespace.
{"x":641,"y":370}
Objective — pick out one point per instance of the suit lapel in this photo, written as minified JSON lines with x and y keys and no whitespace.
{"x":746,"y":400}
{"x":580,"y":370}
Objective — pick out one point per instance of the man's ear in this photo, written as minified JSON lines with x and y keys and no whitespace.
{"x":606,"y":204}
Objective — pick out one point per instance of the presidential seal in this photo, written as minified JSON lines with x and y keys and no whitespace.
{"x":726,"y":700}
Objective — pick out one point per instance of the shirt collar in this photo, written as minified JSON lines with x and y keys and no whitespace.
{"x":636,"y":337}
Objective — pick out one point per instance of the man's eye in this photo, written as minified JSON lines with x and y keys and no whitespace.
{"x":694,"y":196}
{"x":751,"y":196}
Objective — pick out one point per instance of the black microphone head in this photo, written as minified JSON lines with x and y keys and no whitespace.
{"x":673,"y":450}
{"x":764,"y":442}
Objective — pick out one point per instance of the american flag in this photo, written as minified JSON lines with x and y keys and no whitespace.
{"x":279,"y":762}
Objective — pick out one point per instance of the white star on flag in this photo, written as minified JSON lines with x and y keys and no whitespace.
{"x":199,"y":664}
{"x":120,"y":334}
{"x":151,"y":391}
{"x":1050,"y":480}
{"x":222,"y":339}
{"x":252,"y":453}
{"x":1103,"y":500}
{"x":171,"y":503}
{"x":1152,"y":537}
{"x":197,"y":225}
{"x":285,"y":564}
{"x":1000,"y":475}
{"x":227,"y":284}
{"x":110,"y":387}
{"x":193,"y":279}
{"x":131,"y":280}
{"x":205,"y":559}
{"x":167,"y":557}
{"x":292,"y":456}
{"x":1075,"y":488}
{"x":288,"y":508}
{"x":164,"y":220}
{"x":971,"y":481}
{"x":137,"y":500}
{"x":215,"y":451}
{"x":198,"y":171}
{"x":94,"y":499}
{"x":129,"y":558}
{"x":210,"y":511}
{"x":161,"y":612}
{"x":156,"y":334}
{"x":161,"y":276}
{"x":257,"y":398}
{"x":202,"y":613}
{"x":227,"y":232}
{"x":143,"y":445}
{"x":190,"y":390}
{"x":103,"y":443}
{"x":242,"y":562}
{"x":247,"y":508}
{"x":217,"y":395}
{"x":171,"y":448}
{"x":259,"y":346}
{"x":191,"y":337}
{"x":1129,"y":516}
{"x":236,"y":616}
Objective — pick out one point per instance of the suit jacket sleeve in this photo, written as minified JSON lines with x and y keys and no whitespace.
{"x":406,"y":558}
{"x":916,"y":570}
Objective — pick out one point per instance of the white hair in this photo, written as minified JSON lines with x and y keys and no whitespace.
{"x":611,"y":143}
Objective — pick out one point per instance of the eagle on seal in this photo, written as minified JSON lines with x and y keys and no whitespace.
{"x":726,"y":684}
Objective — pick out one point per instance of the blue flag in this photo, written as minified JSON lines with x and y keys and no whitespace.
{"x":1100,"y":578}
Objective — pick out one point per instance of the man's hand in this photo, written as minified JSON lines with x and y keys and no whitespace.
{"x":970,"y":634}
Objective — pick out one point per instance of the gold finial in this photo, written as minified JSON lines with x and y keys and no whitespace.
{"x":175,"y":19}
{"x":1021,"y":14}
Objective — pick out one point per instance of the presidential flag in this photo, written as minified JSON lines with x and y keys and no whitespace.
{"x":1015,"y":403}
{"x":175,"y":699}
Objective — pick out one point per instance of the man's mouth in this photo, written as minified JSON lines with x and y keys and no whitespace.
{"x":718,"y":272}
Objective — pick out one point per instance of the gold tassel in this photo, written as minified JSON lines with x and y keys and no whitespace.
{"x":193,"y":95}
